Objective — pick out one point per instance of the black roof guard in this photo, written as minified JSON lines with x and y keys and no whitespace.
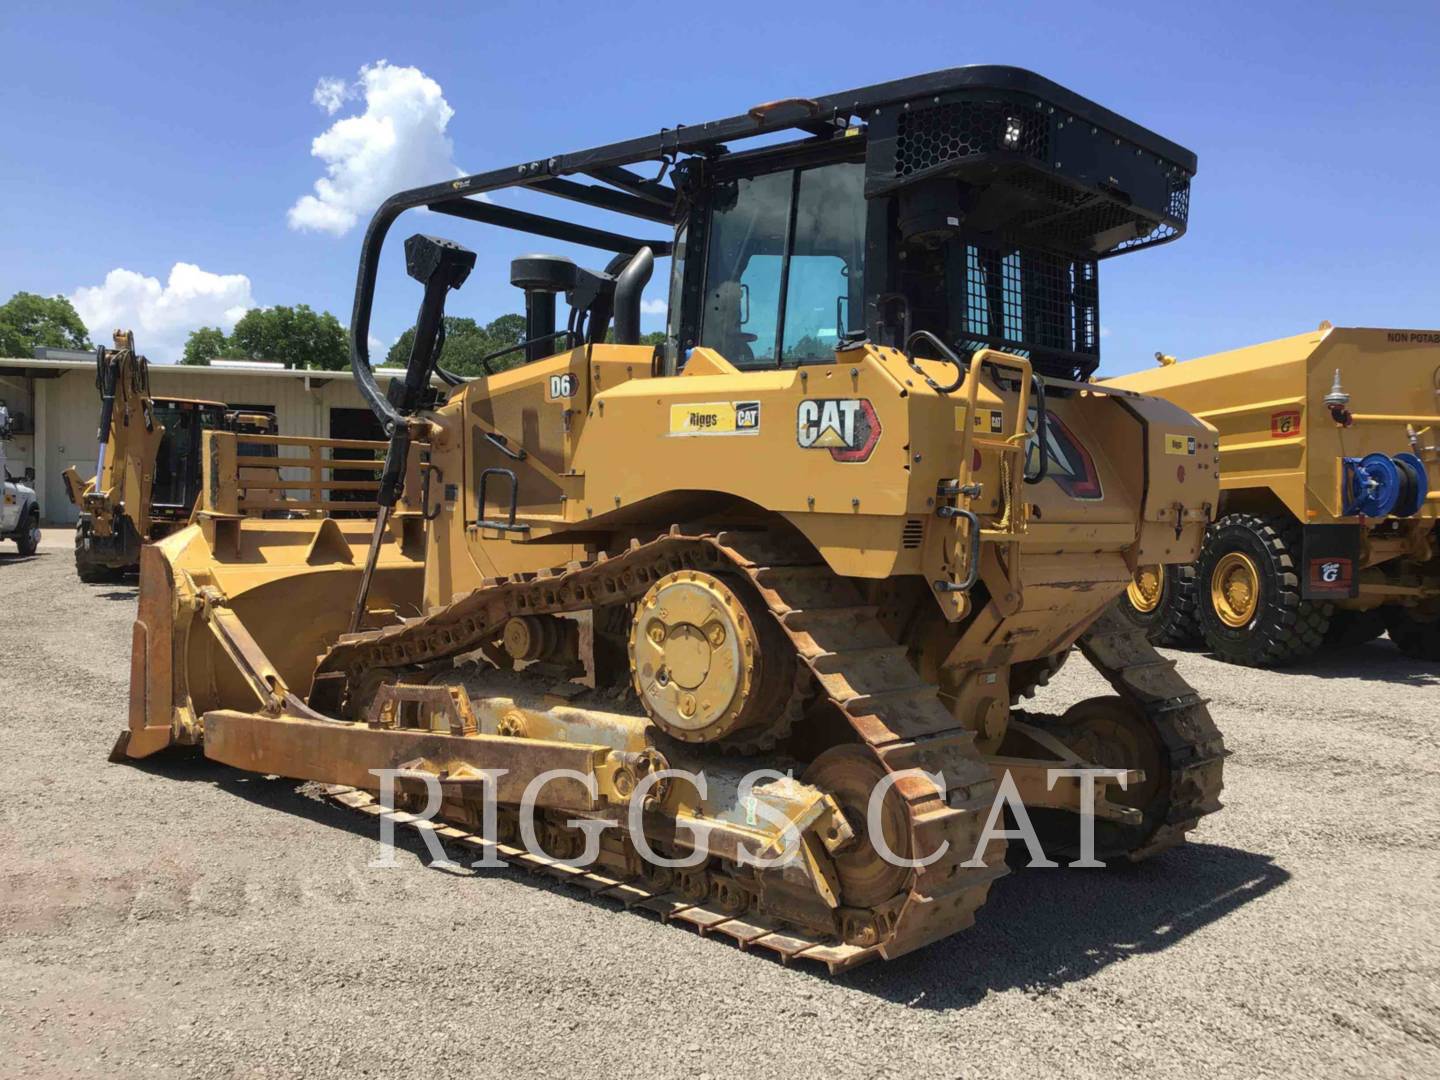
{"x":623,"y":191}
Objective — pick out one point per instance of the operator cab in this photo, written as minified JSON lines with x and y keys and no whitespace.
{"x":177,"y":460}
{"x":979,"y":217}
{"x":780,"y":263}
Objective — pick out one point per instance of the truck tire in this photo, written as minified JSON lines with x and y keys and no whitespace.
{"x":1415,"y":631}
{"x":1349,"y":628}
{"x":1249,"y":604}
{"x":1161,"y":601}
{"x":29,"y":541}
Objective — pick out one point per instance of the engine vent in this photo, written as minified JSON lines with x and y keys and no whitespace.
{"x":913,"y":533}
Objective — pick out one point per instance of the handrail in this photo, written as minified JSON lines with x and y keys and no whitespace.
{"x":236,"y":484}
{"x":1012,"y":445}
{"x":311,"y":440}
{"x":977,"y":364}
{"x":1042,"y":423}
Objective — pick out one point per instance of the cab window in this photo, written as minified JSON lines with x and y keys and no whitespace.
{"x":784,"y":267}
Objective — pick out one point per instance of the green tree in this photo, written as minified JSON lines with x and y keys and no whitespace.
{"x":510,"y":330}
{"x":204,"y":345}
{"x":467,"y":342}
{"x":28,"y":321}
{"x":297,"y":337}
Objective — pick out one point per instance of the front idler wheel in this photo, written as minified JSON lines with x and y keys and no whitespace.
{"x":1109,"y":733}
{"x":848,"y":774}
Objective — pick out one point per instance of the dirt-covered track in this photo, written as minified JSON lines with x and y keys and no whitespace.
{"x":185,"y":920}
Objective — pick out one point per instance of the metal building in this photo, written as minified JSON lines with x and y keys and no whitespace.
{"x":54,"y":406}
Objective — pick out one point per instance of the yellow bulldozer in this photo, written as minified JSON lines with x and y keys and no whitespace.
{"x":147,"y":469}
{"x":1326,"y":530}
{"x":733,"y":629}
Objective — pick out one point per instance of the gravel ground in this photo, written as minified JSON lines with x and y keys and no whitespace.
{"x":183,"y":919}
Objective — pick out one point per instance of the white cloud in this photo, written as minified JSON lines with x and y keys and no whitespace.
{"x":398,"y":142}
{"x":330,"y":94}
{"x":653,"y":307}
{"x":1104,"y":331}
{"x":162,"y":316}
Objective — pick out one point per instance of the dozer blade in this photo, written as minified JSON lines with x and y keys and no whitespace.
{"x":287,"y":584}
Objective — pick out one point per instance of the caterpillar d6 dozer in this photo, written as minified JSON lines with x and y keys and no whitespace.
{"x":1326,"y":530}
{"x":860,"y":502}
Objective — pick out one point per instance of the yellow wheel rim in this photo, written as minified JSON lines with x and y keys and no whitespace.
{"x":1235,"y":589}
{"x":1146,"y":589}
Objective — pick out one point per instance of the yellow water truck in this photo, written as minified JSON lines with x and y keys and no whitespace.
{"x":1325,"y":532}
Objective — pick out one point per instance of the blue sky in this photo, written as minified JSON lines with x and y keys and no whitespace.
{"x":139,"y":137}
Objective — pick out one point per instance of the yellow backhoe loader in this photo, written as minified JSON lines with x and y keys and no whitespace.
{"x":861,"y":502}
{"x":1326,"y":529}
{"x":147,"y":471}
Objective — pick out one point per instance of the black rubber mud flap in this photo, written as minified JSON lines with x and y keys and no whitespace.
{"x":1330,"y":562}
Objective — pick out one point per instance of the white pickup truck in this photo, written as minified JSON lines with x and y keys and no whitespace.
{"x":19,"y":508}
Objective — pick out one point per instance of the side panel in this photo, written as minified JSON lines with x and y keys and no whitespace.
{"x":1181,"y":481}
{"x":1255,"y":398}
{"x":851,"y":453}
{"x":1393,"y":379}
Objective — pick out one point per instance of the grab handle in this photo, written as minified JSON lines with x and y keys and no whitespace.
{"x":945,"y":351}
{"x":972,"y":569}
{"x":507,"y":525}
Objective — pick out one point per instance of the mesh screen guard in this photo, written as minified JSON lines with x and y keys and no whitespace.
{"x":1012,"y":203}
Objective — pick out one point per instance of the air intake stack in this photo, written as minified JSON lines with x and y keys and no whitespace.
{"x":541,"y":276}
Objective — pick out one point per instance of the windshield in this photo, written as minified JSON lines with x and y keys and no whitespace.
{"x":177,"y":461}
{"x":785,"y":265}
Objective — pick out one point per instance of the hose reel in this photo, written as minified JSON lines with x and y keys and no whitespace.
{"x":1377,"y":486}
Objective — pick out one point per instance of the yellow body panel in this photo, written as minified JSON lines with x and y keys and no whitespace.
{"x":600,"y":446}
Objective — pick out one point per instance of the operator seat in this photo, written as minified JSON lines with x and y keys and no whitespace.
{"x":722,"y":325}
